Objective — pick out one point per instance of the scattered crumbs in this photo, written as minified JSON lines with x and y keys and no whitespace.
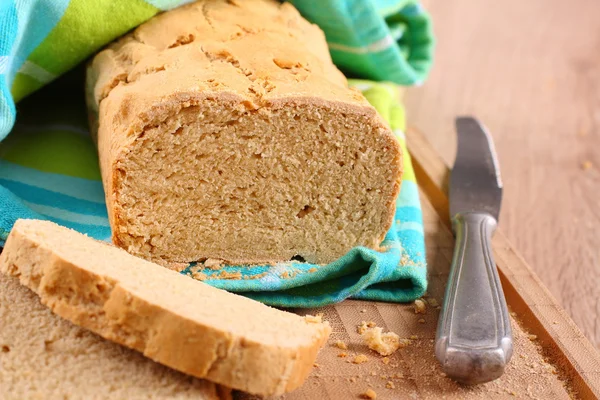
{"x":420,"y":307}
{"x":341,"y":345}
{"x":230,"y":275}
{"x":317,"y":365}
{"x":383,"y":343}
{"x":514,"y":314}
{"x":314,"y":319}
{"x":313,"y":269}
{"x":364,"y":326}
{"x":213,"y":263}
{"x":342,"y":354}
{"x":255,"y":276}
{"x":555,"y":322}
{"x":371,"y":324}
{"x":532,"y":337}
{"x":390,"y":385}
{"x":586,"y":165}
{"x":414,"y":337}
{"x":422,"y":321}
{"x":363,"y":310}
{"x":432,"y":302}
{"x":353,"y":379}
{"x":285,"y":275}
{"x":359,"y":359}
{"x":369,"y":394}
{"x":199,"y":276}
{"x":385,"y":360}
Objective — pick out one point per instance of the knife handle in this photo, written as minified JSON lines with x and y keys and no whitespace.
{"x":474,"y":339}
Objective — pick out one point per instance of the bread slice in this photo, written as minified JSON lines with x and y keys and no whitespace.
{"x":226,"y":132}
{"x":43,"y":356}
{"x":170,"y":318}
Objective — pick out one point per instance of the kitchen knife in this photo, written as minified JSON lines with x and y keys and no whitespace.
{"x":474,"y":339}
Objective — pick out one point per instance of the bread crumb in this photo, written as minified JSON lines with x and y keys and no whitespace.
{"x":359,"y":359}
{"x":341,"y":345}
{"x":369,"y":394}
{"x":422,"y":321}
{"x":442,"y":374}
{"x":420,"y":307}
{"x":213,"y":263}
{"x":432,"y":302}
{"x":514,"y":314}
{"x":384,"y":377}
{"x":363,"y":310}
{"x":532,"y":337}
{"x":316,"y":365}
{"x":390,"y":385}
{"x":414,"y":337}
{"x":362,"y":328}
{"x":383,"y":343}
{"x":353,"y":379}
{"x":385,"y":360}
{"x":586,"y":165}
{"x":314,"y":319}
{"x":312,"y":270}
{"x":342,"y":354}
{"x":230,"y":275}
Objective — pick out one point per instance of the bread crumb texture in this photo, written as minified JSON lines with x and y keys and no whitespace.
{"x":170,"y":318}
{"x":420,"y":306}
{"x":369,"y":394}
{"x":225,"y":132}
{"x":46,"y":357}
{"x":383,"y":343}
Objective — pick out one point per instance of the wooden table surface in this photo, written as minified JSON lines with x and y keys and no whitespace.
{"x":530,"y":70}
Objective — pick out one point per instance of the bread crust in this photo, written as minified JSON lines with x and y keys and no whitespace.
{"x":247,"y":58}
{"x":111,"y":305}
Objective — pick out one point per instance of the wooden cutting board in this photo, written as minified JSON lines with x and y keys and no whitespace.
{"x":552,"y":359}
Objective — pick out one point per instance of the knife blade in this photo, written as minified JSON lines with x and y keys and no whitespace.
{"x":474,"y":339}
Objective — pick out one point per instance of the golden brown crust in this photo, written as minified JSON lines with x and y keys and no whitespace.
{"x":97,"y":286}
{"x":251,"y":58}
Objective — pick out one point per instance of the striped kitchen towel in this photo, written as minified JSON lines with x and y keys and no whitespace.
{"x":49,"y":170}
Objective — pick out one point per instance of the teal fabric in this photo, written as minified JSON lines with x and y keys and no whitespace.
{"x":49,"y":168}
{"x":380,"y":39}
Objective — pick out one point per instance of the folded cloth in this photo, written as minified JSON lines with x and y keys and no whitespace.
{"x":49,"y":170}
{"x":41,"y":39}
{"x":389,"y":40}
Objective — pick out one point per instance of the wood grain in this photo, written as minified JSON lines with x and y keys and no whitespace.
{"x":531,"y":72}
{"x":562,"y":342}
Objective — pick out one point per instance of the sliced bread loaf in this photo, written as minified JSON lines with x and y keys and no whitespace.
{"x":43,"y":356}
{"x":226,"y":132}
{"x":170,"y":318}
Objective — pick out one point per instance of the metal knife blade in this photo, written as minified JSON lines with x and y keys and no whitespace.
{"x":475,"y":183}
{"x":474,"y":339}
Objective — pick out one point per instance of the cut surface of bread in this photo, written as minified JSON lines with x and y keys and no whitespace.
{"x":43,"y":356}
{"x":225,"y":132}
{"x":170,"y":318}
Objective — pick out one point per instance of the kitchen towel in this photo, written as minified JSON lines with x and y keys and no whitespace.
{"x":49,"y":169}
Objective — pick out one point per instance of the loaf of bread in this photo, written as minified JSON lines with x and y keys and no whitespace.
{"x":225,"y":131}
{"x":43,"y":356}
{"x":170,"y":318}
